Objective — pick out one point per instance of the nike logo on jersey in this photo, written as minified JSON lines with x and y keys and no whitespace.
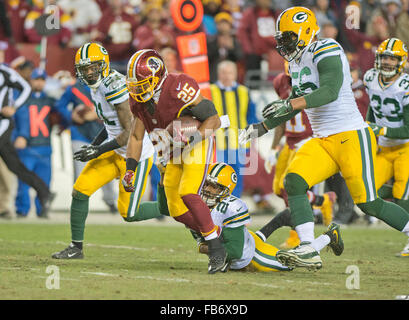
{"x":178,"y":87}
{"x":238,"y":210}
{"x":344,"y":141}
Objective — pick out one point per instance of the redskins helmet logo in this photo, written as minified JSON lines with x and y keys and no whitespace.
{"x":154,"y":64}
{"x":300,"y":17}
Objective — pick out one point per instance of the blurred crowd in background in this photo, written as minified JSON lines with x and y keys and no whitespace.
{"x":240,"y":31}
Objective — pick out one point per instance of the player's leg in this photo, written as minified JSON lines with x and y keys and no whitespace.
{"x":358,"y":170}
{"x":265,"y":257}
{"x":302,"y":174}
{"x":43,"y":169}
{"x":281,"y":219}
{"x":96,"y":173}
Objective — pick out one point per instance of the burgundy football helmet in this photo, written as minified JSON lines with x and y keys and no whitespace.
{"x":145,"y":75}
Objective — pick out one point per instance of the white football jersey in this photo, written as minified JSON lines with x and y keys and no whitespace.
{"x":232,"y":212}
{"x":387,"y":103}
{"x":339,"y":115}
{"x":112,"y":91}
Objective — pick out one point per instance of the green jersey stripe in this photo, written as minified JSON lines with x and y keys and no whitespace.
{"x":273,"y":265}
{"x":115,"y":91}
{"x":372,"y":185}
{"x":265,"y":255}
{"x":364,"y":165}
{"x":235,"y":216}
{"x":325,"y":45}
{"x":324,"y":52}
{"x":116,"y":97}
{"x":406,"y":192}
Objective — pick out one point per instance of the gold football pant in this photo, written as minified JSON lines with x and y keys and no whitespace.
{"x":186,"y":175}
{"x":394,"y":162}
{"x":108,"y":167}
{"x":265,"y":257}
{"x":351,"y":152}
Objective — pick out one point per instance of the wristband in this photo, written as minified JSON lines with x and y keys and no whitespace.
{"x":131,"y":164}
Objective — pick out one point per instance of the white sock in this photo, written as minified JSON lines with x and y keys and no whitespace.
{"x":305,"y":231}
{"x":405,"y":229}
{"x":321,"y":242}
{"x":212,"y":235}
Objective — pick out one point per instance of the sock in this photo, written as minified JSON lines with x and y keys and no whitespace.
{"x":188,"y":221}
{"x":280,"y":220}
{"x":403,"y":203}
{"x":301,"y":211}
{"x":147,"y":210}
{"x":405,"y":229}
{"x":213,"y":234}
{"x":79,"y":213}
{"x":305,"y":231}
{"x":78,"y":244}
{"x":321,"y":242}
{"x":201,"y":214}
{"x":385,"y":192}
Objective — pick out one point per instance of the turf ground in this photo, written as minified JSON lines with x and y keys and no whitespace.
{"x":158,"y":261}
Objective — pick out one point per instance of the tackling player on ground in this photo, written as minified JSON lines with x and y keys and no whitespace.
{"x":388,"y":115}
{"x":342,"y":141}
{"x":106,"y":154}
{"x":158,"y":98}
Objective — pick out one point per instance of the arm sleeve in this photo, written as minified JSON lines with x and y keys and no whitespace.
{"x":233,"y":240}
{"x":203,"y":110}
{"x":24,"y":89}
{"x":370,"y":116}
{"x":401,"y":132}
{"x":331,"y":78}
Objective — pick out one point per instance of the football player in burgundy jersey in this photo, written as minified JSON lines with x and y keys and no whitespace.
{"x":158,"y":98}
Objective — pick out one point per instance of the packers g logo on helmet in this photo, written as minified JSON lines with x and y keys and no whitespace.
{"x":296,"y":29}
{"x":392,"y":47}
{"x":220,"y":183}
{"x":92,"y":64}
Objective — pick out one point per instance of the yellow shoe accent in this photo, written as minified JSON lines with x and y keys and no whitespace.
{"x":292,"y":241}
{"x":327,"y":207}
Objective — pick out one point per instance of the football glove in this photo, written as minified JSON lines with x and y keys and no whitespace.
{"x":127,"y":181}
{"x":271,"y":160}
{"x":250,"y":132}
{"x":277,"y":108}
{"x":378,"y":130}
{"x":87,"y":152}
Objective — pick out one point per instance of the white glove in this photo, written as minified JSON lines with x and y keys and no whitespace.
{"x":250,"y":132}
{"x":271,"y":160}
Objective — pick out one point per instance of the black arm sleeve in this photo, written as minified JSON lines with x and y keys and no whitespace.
{"x":101,"y":136}
{"x":205,"y":109}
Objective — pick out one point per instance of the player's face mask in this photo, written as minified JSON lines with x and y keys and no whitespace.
{"x":91,"y":74}
{"x":288,"y":45}
{"x":212,"y":193}
{"x":142,"y":91}
{"x":389,"y":65}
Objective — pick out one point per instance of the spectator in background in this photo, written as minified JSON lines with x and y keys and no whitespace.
{"x":232,"y":99}
{"x":17,"y":11}
{"x":61,"y":38}
{"x":114,"y":31}
{"x":366,"y":9}
{"x":364,"y":45}
{"x":397,"y":20}
{"x":171,"y":59}
{"x":7,"y":40}
{"x":32,"y":142}
{"x":256,"y":34}
{"x":77,"y":111}
{"x":154,"y":33}
{"x":235,"y":8}
{"x":361,"y":97}
{"x":211,"y":8}
{"x":85,"y":15}
{"x":23,"y":66}
{"x":323,"y":13}
{"x":223,"y":45}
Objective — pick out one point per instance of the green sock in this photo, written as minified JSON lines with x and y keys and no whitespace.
{"x":385,"y":192}
{"x":389,"y":212}
{"x":79,"y":213}
{"x":403,"y":203}
{"x":301,"y":211}
{"x":147,"y":210}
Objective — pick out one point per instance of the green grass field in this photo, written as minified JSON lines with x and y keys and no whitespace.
{"x":160,"y":262}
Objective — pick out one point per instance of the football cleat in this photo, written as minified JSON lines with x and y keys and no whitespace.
{"x":405,"y":252}
{"x":71,"y":252}
{"x":217,"y":256}
{"x":303,"y":256}
{"x":327,"y":207}
{"x":292,"y":241}
{"x":336,"y":244}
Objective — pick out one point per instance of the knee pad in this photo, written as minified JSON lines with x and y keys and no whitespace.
{"x":295,"y":185}
{"x":372,"y":207}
